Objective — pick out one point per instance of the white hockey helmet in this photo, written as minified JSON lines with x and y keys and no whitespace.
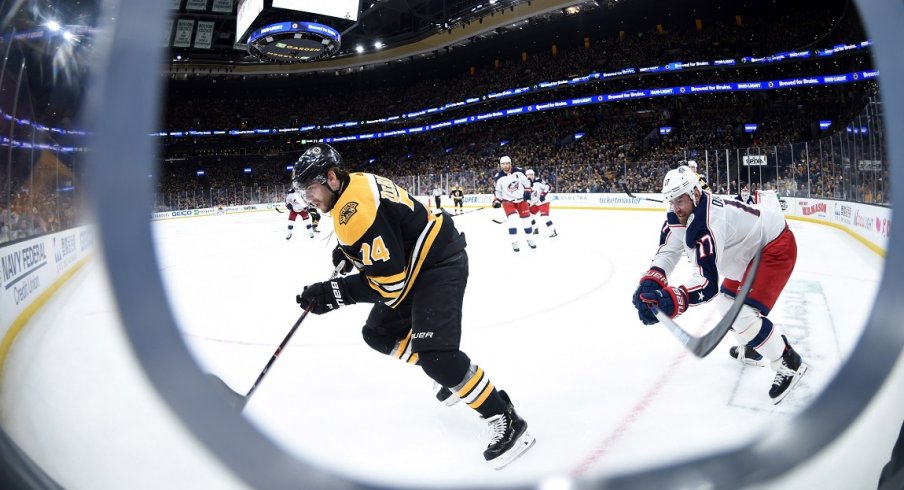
{"x":681,"y":180}
{"x":504,"y":160}
{"x":530,"y":173}
{"x":692,"y":164}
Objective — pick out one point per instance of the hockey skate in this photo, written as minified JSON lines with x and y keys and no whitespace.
{"x":789,"y":369}
{"x":445,"y":395}
{"x":750,"y":357}
{"x":536,"y":231}
{"x":510,"y":438}
{"x":553,"y":234}
{"x":289,"y":236}
{"x":530,"y":242}
{"x":515,"y":246}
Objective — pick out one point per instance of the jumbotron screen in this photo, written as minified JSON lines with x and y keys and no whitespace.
{"x":343,"y":9}
{"x":247,"y":11}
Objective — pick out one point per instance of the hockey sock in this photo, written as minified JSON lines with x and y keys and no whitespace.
{"x":756,"y":331}
{"x":474,"y":388}
{"x":402,"y":350}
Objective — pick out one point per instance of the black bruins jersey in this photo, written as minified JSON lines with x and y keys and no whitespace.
{"x":703,"y":183}
{"x":457,"y":195}
{"x":390,"y":237}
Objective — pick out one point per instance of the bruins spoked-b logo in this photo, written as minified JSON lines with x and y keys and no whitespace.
{"x":347,"y":211}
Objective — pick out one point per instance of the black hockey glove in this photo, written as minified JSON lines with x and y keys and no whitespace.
{"x":338,"y":256}
{"x":526,"y":196}
{"x":289,"y":206}
{"x":652,"y":280}
{"x":324,"y":297}
{"x":497,"y":203}
{"x":542,"y":197}
{"x":671,"y":301}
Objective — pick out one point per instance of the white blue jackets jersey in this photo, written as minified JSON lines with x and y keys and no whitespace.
{"x":295,"y":202}
{"x":511,"y":186}
{"x":721,"y":237}
{"x":538,"y":188}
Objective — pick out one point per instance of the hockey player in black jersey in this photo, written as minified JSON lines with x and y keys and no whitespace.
{"x":693,"y":166}
{"x":315,"y":218}
{"x":458,"y":197}
{"x":412,"y":265}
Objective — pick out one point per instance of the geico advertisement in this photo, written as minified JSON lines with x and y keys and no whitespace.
{"x":28,"y":268}
{"x":194,"y":213}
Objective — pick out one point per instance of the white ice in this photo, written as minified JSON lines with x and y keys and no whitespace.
{"x":554,"y":327}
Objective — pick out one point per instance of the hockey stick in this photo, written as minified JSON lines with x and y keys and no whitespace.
{"x":240,"y":401}
{"x":632,"y":196}
{"x":469,"y":211}
{"x":498,"y":221}
{"x":277,"y":209}
{"x":702,"y":346}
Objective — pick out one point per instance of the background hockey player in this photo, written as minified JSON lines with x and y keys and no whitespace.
{"x":458,"y":199}
{"x":512,"y":194}
{"x":413,"y":266}
{"x":297,"y":207}
{"x":722,"y":237}
{"x":315,"y":217}
{"x":745,"y":196}
{"x":539,"y":205}
{"x":693,"y":166}
{"x":438,"y":197}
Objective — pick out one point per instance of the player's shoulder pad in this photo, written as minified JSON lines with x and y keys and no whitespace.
{"x":356,"y":209}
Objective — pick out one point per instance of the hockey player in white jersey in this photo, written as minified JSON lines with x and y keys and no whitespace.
{"x":722,"y":237}
{"x":745,"y":196}
{"x":298,"y":207}
{"x":539,"y":206}
{"x":513,"y":196}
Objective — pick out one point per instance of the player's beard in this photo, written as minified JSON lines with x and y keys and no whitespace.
{"x":683,"y":219}
{"x":330,"y":201}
